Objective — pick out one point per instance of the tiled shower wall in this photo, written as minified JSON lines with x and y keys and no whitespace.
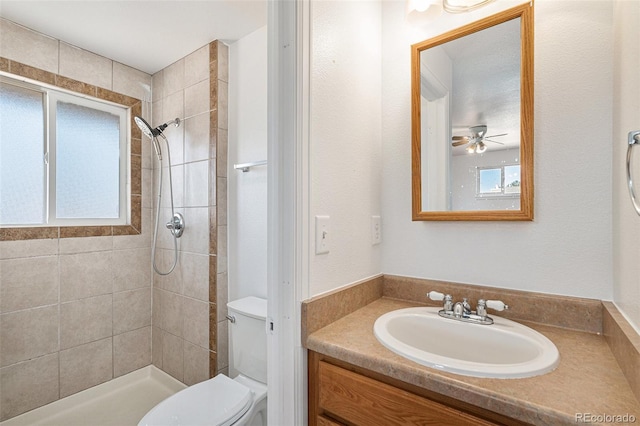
{"x":189,"y":331}
{"x":74,"y":312}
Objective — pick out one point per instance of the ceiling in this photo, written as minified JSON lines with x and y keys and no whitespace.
{"x":486,"y":83}
{"x":145,"y":34}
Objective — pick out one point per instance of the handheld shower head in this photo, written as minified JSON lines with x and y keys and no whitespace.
{"x":146,"y":127}
{"x":151,"y":132}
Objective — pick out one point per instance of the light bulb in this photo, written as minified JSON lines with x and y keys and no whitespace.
{"x":481,"y":148}
{"x":471,"y":148}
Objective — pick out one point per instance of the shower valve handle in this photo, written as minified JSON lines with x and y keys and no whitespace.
{"x":176,"y":225}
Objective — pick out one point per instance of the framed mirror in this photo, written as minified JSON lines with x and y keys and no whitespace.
{"x":472,"y":121}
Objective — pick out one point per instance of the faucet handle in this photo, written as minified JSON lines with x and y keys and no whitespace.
{"x":497,"y":305}
{"x":435,"y":295}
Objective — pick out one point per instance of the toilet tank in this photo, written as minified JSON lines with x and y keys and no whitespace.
{"x":248,"y":338}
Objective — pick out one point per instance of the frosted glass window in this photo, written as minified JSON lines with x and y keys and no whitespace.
{"x":87,"y":162}
{"x":22,"y":149}
{"x":64,"y":158}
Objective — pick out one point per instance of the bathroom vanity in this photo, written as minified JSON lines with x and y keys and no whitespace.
{"x":353,"y":379}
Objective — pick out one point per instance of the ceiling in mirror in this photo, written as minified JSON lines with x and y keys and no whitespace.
{"x":472,"y":121}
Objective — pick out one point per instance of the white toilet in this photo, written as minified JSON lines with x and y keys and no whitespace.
{"x":221,"y":401}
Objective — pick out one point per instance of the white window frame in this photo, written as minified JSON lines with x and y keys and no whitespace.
{"x":51,"y":95}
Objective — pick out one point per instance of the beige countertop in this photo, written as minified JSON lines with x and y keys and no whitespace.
{"x":588,"y":379}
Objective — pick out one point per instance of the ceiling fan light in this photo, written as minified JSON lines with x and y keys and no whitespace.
{"x":471,"y":148}
{"x":481,"y":148}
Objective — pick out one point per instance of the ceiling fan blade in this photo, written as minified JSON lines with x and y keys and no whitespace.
{"x":457,"y":138}
{"x":489,"y":140}
{"x":458,"y":143}
{"x":493,"y":136}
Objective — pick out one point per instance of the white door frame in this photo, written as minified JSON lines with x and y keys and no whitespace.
{"x":288,"y":207}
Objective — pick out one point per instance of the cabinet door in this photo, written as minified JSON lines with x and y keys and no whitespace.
{"x":360,"y":400}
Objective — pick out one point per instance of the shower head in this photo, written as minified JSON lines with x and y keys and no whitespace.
{"x":146,"y":127}
{"x":151,"y":132}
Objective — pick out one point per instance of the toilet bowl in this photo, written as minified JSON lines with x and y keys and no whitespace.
{"x":222,"y":401}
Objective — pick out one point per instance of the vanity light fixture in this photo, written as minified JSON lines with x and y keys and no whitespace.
{"x":421,"y":11}
{"x":426,"y":10}
{"x":460,"y":6}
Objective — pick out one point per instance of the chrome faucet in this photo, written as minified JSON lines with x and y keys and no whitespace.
{"x":461,"y":311}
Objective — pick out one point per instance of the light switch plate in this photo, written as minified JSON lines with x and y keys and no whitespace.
{"x":323,"y":234}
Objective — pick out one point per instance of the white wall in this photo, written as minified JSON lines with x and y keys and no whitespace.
{"x":626,"y":113}
{"x":345,"y":144}
{"x":248,"y":143}
{"x":567,"y":248}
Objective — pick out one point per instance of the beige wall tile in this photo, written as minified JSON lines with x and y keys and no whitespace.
{"x":148,"y":201}
{"x":28,"y":334}
{"x":223,"y":105}
{"x":196,"y":99}
{"x":196,"y":322}
{"x":130,"y":81}
{"x":86,"y":320}
{"x":196,"y":238}
{"x":196,"y":364}
{"x":85,"y":366}
{"x":85,"y":275}
{"x":222,"y":240}
{"x":222,"y":264}
{"x":222,"y":154}
{"x":223,"y":344}
{"x":196,"y":138}
{"x":223,"y":62}
{"x":173,"y":355}
{"x":222,"y":285}
{"x":28,"y":385}
{"x":132,"y":269}
{"x":221,"y":201}
{"x":131,"y":310}
{"x":196,"y":66}
{"x":85,"y":66}
{"x":28,"y":248}
{"x":85,"y":245}
{"x":131,"y":351}
{"x":157,"y":85}
{"x":174,"y":78}
{"x":137,"y":241}
{"x":156,"y":346}
{"x":195,"y":275}
{"x":173,"y":107}
{"x":29,"y":47}
{"x":164,"y":260}
{"x":28,"y":283}
{"x":171,"y":313}
{"x":196,"y":178}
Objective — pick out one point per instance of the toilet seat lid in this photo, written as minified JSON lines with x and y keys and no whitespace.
{"x":220,"y":401}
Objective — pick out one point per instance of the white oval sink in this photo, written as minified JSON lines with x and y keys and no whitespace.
{"x":505,"y":349}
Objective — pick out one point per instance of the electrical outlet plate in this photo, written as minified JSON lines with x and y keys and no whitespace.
{"x":323,"y":234}
{"x":376,"y":230}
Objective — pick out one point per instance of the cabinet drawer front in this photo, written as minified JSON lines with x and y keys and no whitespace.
{"x":364,"y":401}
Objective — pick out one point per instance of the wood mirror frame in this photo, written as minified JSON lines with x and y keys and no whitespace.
{"x":525,"y":13}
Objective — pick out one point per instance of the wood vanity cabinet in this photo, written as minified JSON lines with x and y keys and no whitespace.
{"x":343,"y":394}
